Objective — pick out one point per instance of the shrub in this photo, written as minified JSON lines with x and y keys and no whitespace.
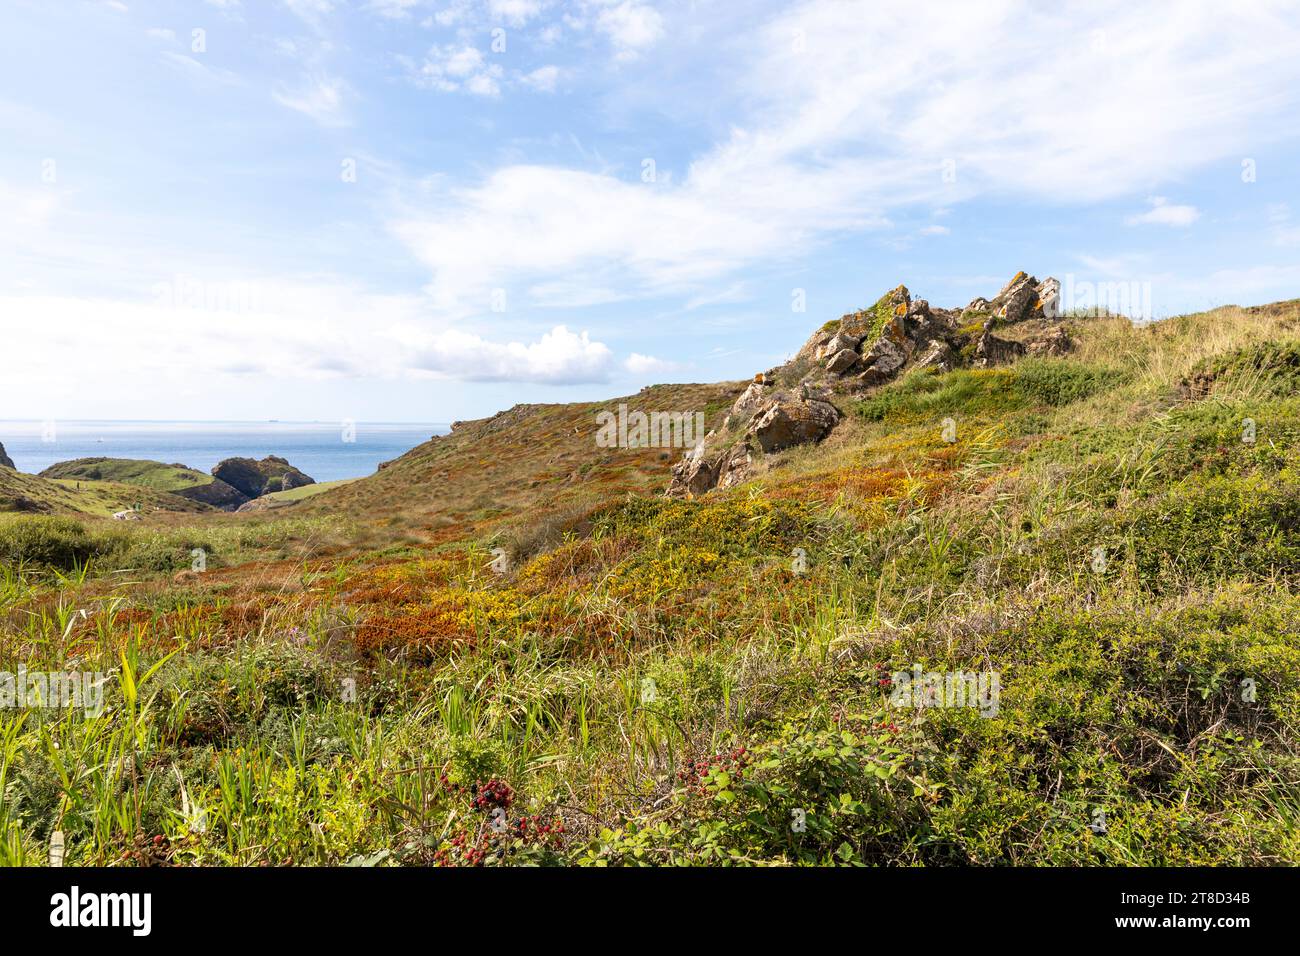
{"x":49,"y":542}
{"x":1058,"y":382}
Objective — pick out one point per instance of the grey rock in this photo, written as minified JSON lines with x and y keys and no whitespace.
{"x":842,"y":361}
{"x":991,"y":350}
{"x":750,"y":401}
{"x":940,"y":355}
{"x":793,"y":422}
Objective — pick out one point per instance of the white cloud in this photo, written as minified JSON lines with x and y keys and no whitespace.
{"x":544,"y":223}
{"x":560,"y":357}
{"x":319,"y":96}
{"x":305,"y":328}
{"x":827,"y":138}
{"x":1162,"y":213}
{"x":935,"y":231}
{"x":515,"y":12}
{"x":160,"y":33}
{"x":631,"y":26}
{"x":542,"y":79}
{"x":451,"y":68}
{"x":641,"y":365}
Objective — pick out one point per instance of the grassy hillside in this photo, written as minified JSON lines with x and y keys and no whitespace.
{"x":146,"y":474}
{"x":21,"y":492}
{"x":501,"y":467}
{"x":305,"y":491}
{"x":631,"y":680}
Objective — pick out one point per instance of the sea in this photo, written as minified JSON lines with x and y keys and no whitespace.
{"x":328,"y":451}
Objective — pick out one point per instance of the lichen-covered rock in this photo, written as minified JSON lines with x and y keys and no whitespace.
{"x":842,"y":361}
{"x":1024,"y":297}
{"x":791,"y":421}
{"x":839,"y":342}
{"x":747,"y":405}
{"x":940,"y":356}
{"x":737,"y":466}
{"x":1049,"y":297}
{"x":889,"y":354}
{"x":1015,"y":302}
{"x":861,"y":350}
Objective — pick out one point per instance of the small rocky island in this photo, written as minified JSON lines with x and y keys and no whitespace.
{"x":233,"y":483}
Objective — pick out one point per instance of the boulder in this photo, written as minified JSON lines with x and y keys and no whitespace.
{"x":889,"y":354}
{"x":842,"y":361}
{"x":751,"y":400}
{"x":736,"y":466}
{"x":839,"y":342}
{"x":939,"y":356}
{"x":5,"y":460}
{"x":1024,"y":297}
{"x":1049,"y":297}
{"x":791,"y":421}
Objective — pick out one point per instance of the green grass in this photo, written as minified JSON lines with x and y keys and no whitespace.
{"x":657,"y":682}
{"x":146,"y":474}
{"x":306,"y":491}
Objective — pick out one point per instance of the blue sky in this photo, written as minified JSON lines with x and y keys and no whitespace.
{"x":401,"y":210}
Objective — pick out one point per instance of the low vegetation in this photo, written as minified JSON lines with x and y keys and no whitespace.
{"x":507,"y":648}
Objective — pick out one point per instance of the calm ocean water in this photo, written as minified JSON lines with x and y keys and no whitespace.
{"x":317,"y":448}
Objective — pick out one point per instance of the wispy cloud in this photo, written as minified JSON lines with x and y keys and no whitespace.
{"x":321,"y":97}
{"x":311,"y":12}
{"x":199,"y":71}
{"x":829,"y":141}
{"x":1165,"y":213}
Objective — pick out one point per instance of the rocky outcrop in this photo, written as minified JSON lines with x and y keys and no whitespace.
{"x":5,"y":460}
{"x":871,"y":346}
{"x":763,"y":419}
{"x":253,"y":478}
{"x":1024,"y":298}
{"x":789,"y":421}
{"x":216,"y":493}
{"x":793,"y":404}
{"x":991,"y":350}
